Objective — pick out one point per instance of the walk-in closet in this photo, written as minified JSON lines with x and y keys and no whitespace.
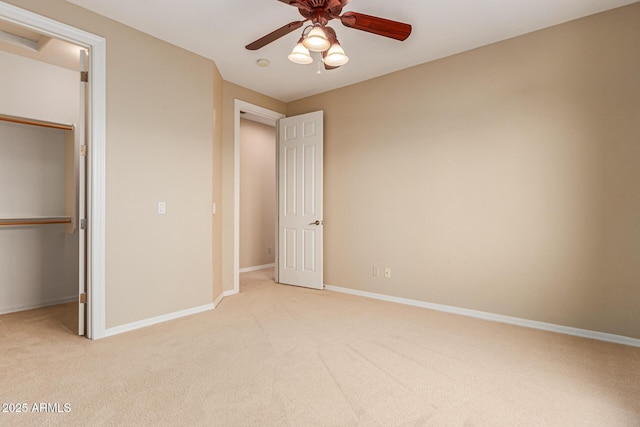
{"x":41,"y":129}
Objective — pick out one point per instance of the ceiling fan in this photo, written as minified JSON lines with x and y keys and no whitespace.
{"x":319,"y":37}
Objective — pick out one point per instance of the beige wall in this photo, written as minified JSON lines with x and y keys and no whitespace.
{"x":159,"y":147}
{"x":257,"y":193}
{"x":33,"y":89}
{"x":231,"y":92}
{"x":504,"y":179}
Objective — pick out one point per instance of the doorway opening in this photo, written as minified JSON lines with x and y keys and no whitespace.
{"x":298,"y":245}
{"x":265,"y":116}
{"x":23,"y":20}
{"x":257,"y":193}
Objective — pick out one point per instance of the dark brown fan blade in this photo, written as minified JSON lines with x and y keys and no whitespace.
{"x":383,"y":27}
{"x":275,"y":35}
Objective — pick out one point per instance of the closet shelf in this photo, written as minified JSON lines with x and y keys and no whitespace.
{"x":34,"y":122}
{"x":35,"y":220}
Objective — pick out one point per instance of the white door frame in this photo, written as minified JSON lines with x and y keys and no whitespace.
{"x":96,"y":151}
{"x":239,"y":106}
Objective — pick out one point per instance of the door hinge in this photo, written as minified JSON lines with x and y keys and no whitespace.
{"x":84,"y":76}
{"x":83,"y":224}
{"x":83,"y":150}
{"x":83,"y":298}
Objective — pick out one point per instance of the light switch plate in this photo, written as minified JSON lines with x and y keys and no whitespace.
{"x":162,"y":208}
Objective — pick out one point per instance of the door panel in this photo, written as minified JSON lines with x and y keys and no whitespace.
{"x":290,"y":180}
{"x":300,"y":159}
{"x":309,"y":242}
{"x":290,"y":249}
{"x":309,"y":182}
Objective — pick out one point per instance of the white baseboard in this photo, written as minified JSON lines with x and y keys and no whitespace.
{"x":158,"y":319}
{"x":257,"y":267}
{"x":567,"y":330}
{"x":31,"y":306}
{"x":223,"y":295}
{"x":218,"y":300}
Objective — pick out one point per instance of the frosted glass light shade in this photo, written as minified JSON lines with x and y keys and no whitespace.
{"x":336,"y":57}
{"x":316,"y":40}
{"x":300,"y":55}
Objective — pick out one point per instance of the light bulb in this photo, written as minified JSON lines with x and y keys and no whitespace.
{"x":336,"y":57}
{"x":316,"y":40}
{"x":300,"y":55}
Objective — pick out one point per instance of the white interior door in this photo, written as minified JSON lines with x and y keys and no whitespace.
{"x":300,"y":223}
{"x":81,"y":223}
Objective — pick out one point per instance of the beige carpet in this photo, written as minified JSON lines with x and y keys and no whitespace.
{"x":280,"y":355}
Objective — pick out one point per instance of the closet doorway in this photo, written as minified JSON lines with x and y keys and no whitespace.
{"x":43,"y":156}
{"x":42,"y":174}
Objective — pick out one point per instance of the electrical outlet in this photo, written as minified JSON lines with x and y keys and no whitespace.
{"x":376,"y":271}
{"x":162,"y":208}
{"x":387,"y":272}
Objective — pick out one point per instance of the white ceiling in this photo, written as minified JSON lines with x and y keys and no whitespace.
{"x":219,"y":30}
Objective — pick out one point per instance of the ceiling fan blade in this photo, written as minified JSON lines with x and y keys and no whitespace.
{"x":274,"y":35}
{"x":373,"y":24}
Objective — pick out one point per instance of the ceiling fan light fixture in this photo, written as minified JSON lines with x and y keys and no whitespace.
{"x":336,"y":57}
{"x":316,"y":40}
{"x":300,"y":55}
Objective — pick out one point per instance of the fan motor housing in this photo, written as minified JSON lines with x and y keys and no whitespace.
{"x":320,"y":11}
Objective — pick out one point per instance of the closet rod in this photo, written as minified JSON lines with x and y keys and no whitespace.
{"x":40,"y":220}
{"x":24,"y":121}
